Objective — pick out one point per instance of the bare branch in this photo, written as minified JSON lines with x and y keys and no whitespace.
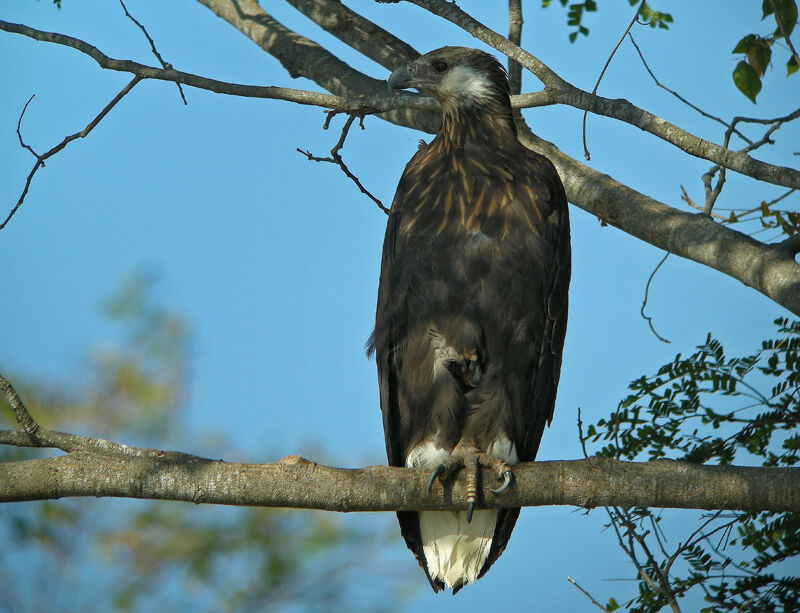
{"x":681,"y":98}
{"x":22,"y":143}
{"x":515,"y":22}
{"x":380,"y":103}
{"x":152,"y":47}
{"x":24,"y":419}
{"x":644,"y":301}
{"x":67,"y":140}
{"x":336,"y":157}
{"x":602,"y":72}
{"x":587,"y":594}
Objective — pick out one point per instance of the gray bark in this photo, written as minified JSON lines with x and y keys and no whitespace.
{"x":298,"y":483}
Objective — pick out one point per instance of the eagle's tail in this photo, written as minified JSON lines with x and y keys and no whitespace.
{"x":456,"y":550}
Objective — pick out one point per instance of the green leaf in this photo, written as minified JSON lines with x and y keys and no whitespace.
{"x":791,"y":66}
{"x":744,"y":45}
{"x":766,"y":9}
{"x":758,"y":57}
{"x":746,"y":80}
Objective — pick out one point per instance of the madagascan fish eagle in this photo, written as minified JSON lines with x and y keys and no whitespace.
{"x":472,"y":308}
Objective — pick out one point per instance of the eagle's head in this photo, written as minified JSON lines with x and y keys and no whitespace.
{"x":456,"y":77}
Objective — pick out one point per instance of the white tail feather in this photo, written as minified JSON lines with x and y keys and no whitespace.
{"x":454,"y":549}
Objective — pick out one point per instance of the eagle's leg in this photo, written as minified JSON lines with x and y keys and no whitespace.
{"x":471,"y":460}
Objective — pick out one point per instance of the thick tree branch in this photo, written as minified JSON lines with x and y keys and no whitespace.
{"x":298,"y":483}
{"x":770,"y":269}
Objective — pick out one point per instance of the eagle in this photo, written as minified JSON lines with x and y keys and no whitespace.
{"x":472,"y":308}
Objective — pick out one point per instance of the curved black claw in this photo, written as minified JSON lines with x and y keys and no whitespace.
{"x":434,"y":474}
{"x":506,"y":483}
{"x":470,"y":509}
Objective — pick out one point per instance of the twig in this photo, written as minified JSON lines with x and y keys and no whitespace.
{"x":783,"y":31}
{"x":712,"y":193}
{"x":515,"y":22}
{"x":580,"y":435}
{"x":24,"y":418}
{"x":22,"y":143}
{"x":681,"y":98}
{"x":587,"y":594}
{"x":336,"y":157}
{"x":644,"y":302}
{"x":586,"y":153}
{"x":67,"y":140}
{"x":166,"y":65}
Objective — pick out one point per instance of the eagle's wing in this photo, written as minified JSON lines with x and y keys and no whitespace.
{"x":541,"y":189}
{"x":384,"y":341}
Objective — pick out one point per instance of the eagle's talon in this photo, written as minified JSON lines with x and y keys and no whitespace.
{"x":434,"y":474}
{"x":506,"y":482}
{"x":470,"y":509}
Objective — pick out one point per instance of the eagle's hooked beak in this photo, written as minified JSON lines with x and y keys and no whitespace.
{"x":401,"y":78}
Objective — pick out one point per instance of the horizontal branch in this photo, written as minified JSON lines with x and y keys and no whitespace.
{"x":345,"y":104}
{"x":297,"y":483}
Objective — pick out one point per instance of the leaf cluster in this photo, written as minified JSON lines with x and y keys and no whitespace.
{"x":710,"y":408}
{"x":757,"y":49}
{"x":576,"y":11}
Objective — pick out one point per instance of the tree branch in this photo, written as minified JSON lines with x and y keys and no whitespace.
{"x":565,"y":93}
{"x":769,"y":269}
{"x":40,"y":159}
{"x":298,"y":483}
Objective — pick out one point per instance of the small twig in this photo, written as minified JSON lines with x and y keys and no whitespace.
{"x":586,"y":153}
{"x":679,"y":97}
{"x":336,"y":158}
{"x":165,"y":65}
{"x":22,"y":143}
{"x":580,"y":435}
{"x":712,"y":193}
{"x":685,"y":197}
{"x":587,"y":594}
{"x":646,"y":293}
{"x":515,"y":22}
{"x":67,"y":140}
{"x":783,"y":31}
{"x":24,"y":418}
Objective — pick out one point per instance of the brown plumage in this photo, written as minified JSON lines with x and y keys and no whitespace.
{"x":472,"y":306}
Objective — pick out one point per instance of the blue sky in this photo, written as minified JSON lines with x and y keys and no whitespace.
{"x":274,"y":260}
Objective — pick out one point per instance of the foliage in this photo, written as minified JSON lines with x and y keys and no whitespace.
{"x":709,"y":408}
{"x":577,"y":10}
{"x":757,"y":49}
{"x":172,"y":555}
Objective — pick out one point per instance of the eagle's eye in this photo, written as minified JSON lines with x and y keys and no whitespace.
{"x":440,"y":66}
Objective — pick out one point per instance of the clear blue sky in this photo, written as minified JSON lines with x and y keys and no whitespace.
{"x":274,"y":260}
